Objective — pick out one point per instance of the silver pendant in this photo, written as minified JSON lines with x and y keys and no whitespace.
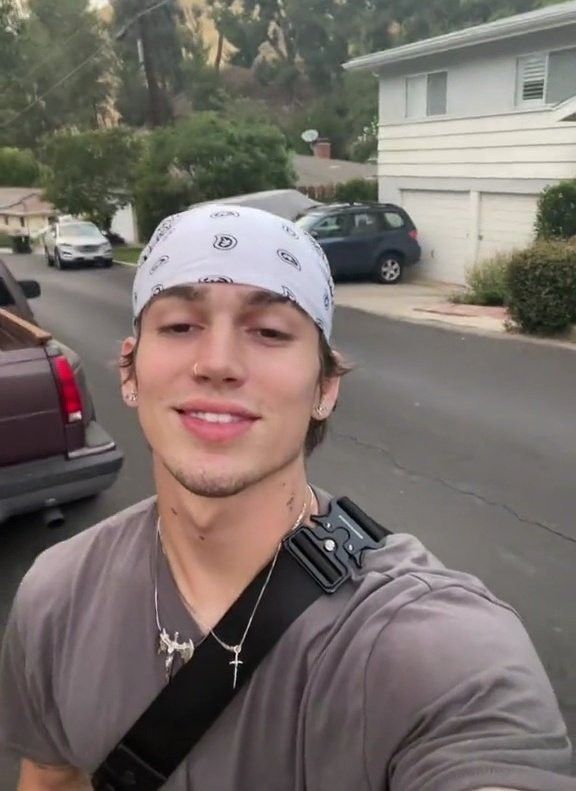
{"x":236,"y":662}
{"x":171,"y":647}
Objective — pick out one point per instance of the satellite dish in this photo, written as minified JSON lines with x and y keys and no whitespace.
{"x":310,"y":136}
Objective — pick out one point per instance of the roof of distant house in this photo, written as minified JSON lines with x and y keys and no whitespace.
{"x":547,"y":18}
{"x":23,"y":201}
{"x":287,"y":203}
{"x":317,"y":172}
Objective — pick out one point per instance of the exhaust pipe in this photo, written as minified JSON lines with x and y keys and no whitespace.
{"x":52,"y":516}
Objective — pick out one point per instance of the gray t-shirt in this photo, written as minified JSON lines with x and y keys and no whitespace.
{"x":420,"y":680}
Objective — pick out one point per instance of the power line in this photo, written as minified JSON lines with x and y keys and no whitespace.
{"x":117,"y":37}
{"x":51,"y":56}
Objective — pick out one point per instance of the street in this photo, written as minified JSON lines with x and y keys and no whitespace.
{"x":467,"y":442}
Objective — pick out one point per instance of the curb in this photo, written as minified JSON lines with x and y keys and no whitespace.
{"x":124,"y":263}
{"x":438,"y":323}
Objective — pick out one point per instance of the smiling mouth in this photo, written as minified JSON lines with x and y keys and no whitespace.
{"x":214,"y":417}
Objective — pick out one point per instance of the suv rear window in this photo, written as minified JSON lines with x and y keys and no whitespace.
{"x":394,"y":220}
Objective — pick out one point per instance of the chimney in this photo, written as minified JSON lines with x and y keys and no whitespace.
{"x":322,"y":148}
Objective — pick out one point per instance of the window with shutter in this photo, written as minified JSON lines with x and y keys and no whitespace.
{"x":532,"y":73}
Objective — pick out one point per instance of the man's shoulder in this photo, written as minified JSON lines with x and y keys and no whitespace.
{"x":75,"y":563}
{"x":404,"y":583}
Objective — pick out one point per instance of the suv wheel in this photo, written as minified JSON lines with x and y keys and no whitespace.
{"x":49,"y":260}
{"x":389,"y":269}
{"x":59,"y":263}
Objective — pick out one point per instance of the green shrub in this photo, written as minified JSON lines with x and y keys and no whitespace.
{"x":18,"y":168}
{"x":487,"y":282}
{"x":556,"y":218}
{"x":356,"y":191}
{"x":542,"y":288}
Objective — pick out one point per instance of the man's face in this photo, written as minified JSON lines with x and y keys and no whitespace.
{"x":227,"y":379}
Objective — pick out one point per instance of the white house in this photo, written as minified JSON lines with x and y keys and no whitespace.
{"x":473,"y":125}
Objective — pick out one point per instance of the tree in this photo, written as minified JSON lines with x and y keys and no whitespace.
{"x":205,"y":158}
{"x":151,"y":58}
{"x":90,"y":174}
{"x":68,"y":68}
{"x":18,"y":168}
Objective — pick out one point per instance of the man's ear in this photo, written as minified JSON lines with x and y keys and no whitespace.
{"x":326,"y":398}
{"x":127,"y":371}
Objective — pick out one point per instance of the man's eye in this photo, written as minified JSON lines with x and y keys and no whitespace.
{"x":180,"y":328}
{"x":269,"y":333}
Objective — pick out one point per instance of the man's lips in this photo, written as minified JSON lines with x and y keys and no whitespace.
{"x":217,"y":409}
{"x":216,"y":422}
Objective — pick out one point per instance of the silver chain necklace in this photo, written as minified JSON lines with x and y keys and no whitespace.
{"x":172,"y":646}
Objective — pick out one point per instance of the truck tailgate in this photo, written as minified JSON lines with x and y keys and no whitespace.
{"x":31,"y":425}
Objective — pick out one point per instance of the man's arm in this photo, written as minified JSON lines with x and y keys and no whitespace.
{"x":35,"y":777}
{"x":454,"y":686}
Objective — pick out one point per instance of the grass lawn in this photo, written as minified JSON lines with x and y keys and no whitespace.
{"x":128,"y":254}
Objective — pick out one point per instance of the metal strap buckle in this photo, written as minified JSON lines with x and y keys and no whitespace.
{"x":337,"y":539}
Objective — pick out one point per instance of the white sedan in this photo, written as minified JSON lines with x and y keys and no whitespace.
{"x":76,"y":242}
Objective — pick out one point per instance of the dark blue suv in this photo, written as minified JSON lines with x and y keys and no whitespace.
{"x":377,"y":240}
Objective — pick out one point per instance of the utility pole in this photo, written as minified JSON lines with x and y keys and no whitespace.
{"x":155,"y":96}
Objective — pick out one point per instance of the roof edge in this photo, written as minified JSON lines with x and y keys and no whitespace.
{"x":547,"y":18}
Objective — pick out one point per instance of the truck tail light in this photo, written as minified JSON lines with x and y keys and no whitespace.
{"x":70,"y":399}
{"x":413,"y":234}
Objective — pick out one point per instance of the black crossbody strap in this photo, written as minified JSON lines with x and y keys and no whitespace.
{"x":310,"y":564}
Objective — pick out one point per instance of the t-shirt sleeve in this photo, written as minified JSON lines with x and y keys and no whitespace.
{"x":25,"y":684}
{"x":456,"y":678}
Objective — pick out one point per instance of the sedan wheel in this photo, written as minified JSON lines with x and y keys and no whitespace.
{"x":389,"y":269}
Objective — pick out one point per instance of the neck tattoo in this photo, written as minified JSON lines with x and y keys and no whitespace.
{"x":173,"y":646}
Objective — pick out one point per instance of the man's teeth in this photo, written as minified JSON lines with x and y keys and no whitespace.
{"x":215,"y":417}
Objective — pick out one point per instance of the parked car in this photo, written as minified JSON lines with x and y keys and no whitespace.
{"x":76,"y":241}
{"x":52,"y":450}
{"x":376,"y":240}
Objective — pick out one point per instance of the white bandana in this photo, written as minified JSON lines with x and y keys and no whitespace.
{"x":220,"y":243}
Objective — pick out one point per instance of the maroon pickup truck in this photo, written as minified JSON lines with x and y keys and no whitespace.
{"x":52,"y":449}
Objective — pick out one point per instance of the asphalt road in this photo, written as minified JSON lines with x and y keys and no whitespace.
{"x":467,"y":442}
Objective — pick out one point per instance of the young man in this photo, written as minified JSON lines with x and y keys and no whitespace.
{"x":418,"y":679}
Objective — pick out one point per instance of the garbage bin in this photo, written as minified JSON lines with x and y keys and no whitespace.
{"x":21,"y":243}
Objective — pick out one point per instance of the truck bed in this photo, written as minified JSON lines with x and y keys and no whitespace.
{"x":16,"y":333}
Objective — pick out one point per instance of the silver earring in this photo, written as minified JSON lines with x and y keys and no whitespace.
{"x":132,"y":397}
{"x":321,"y":410}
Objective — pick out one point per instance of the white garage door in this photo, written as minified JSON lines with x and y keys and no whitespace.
{"x":506,"y":222}
{"x":443,"y":220}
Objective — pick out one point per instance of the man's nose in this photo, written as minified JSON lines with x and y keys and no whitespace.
{"x":219,"y":357}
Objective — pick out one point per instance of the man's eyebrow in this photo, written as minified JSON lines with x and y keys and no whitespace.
{"x":261,"y":298}
{"x":189,"y":293}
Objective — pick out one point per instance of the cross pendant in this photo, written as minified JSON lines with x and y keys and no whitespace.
{"x":236,"y":662}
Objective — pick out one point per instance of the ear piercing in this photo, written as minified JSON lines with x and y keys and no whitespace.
{"x":321,"y":410}
{"x":132,"y":397}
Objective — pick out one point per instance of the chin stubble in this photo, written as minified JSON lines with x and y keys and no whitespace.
{"x":205,"y":484}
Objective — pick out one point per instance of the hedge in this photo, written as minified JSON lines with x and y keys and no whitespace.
{"x":542,"y":288}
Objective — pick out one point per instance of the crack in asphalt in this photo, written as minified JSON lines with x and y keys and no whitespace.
{"x":454,"y":487}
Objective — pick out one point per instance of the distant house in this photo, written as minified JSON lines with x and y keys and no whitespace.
{"x":323,"y":171}
{"x":23,"y":210}
{"x":473,"y":125}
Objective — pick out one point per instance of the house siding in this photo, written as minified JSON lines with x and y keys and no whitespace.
{"x":485,"y":162}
